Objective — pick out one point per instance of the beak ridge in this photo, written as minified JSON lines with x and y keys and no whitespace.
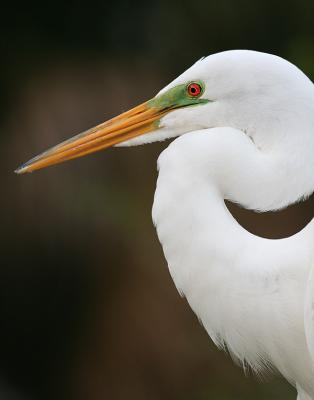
{"x":137,"y":121}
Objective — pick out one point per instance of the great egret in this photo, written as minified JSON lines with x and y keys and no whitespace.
{"x":246,"y":126}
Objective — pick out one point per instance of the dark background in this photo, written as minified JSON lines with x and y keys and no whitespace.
{"x":87,"y":307}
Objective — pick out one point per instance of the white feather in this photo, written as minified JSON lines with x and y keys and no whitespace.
{"x":253,"y":144}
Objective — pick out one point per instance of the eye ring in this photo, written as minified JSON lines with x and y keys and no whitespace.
{"x":194,"y":89}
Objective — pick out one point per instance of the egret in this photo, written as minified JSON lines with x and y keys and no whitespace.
{"x":244,"y":123}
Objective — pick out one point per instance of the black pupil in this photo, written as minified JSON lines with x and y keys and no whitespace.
{"x":193,"y":89}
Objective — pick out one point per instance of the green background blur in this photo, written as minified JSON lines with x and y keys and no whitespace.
{"x":87,"y":307}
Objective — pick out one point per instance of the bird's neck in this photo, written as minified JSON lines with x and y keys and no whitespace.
{"x":192,"y":224}
{"x":196,"y":173}
{"x":229,"y":161}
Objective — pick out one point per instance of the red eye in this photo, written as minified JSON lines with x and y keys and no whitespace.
{"x":194,"y":89}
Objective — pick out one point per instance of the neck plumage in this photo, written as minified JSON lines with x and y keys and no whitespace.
{"x":229,"y":161}
{"x":199,"y":171}
{"x":209,"y":253}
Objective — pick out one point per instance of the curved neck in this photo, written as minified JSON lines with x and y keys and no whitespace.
{"x":229,"y":161}
{"x":199,"y":170}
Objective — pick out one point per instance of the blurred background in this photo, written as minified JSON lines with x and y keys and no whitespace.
{"x":87,"y":307}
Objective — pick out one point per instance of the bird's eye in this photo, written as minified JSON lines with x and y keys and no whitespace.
{"x":194,"y":89}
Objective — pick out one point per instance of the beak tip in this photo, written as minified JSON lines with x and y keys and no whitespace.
{"x":21,"y":170}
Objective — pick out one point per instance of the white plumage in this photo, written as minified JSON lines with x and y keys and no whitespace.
{"x":248,"y":291}
{"x":246,"y":126}
{"x":255,"y":146}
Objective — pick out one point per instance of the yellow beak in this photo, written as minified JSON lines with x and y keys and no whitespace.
{"x":137,"y":121}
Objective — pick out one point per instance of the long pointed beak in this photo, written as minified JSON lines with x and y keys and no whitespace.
{"x":137,"y":121}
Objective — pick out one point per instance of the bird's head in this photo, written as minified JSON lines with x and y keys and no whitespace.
{"x":251,"y":91}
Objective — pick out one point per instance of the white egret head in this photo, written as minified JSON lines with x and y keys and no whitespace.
{"x":263,"y":95}
{"x":258,"y":93}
